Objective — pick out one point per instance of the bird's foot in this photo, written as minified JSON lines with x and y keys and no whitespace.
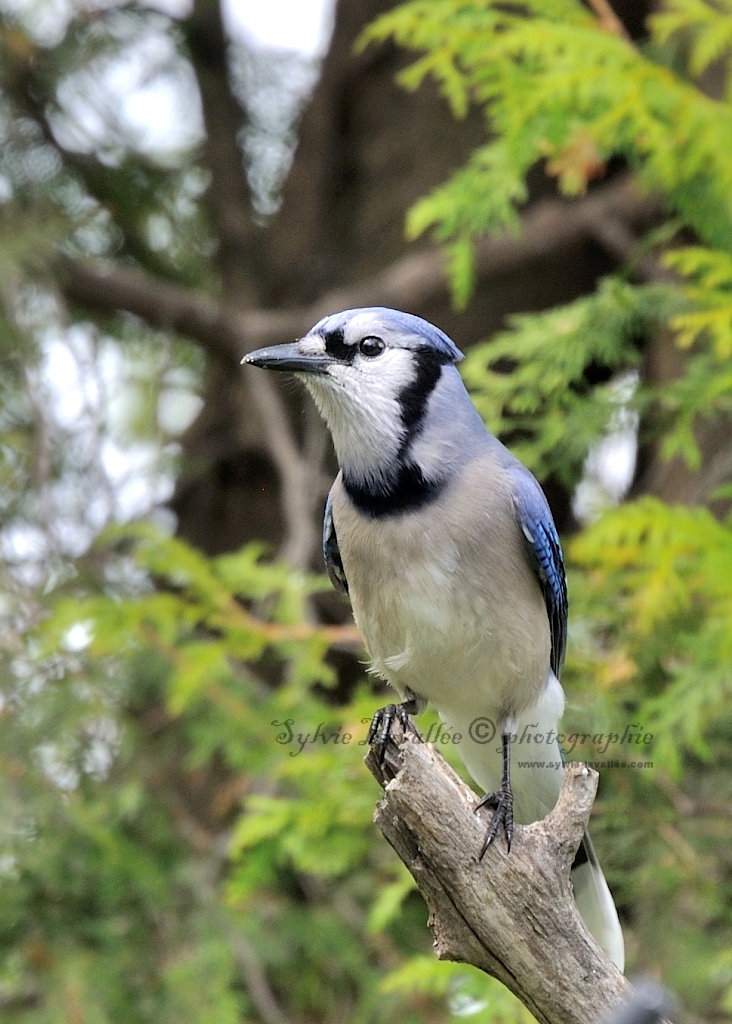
{"x":501,"y":802}
{"x":383,"y":720}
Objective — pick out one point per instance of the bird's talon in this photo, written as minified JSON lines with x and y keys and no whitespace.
{"x":383,"y":722}
{"x":502,"y":803}
{"x":489,"y":800}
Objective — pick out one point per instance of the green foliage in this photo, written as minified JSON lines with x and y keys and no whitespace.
{"x":555,"y":86}
{"x":704,"y":330}
{"x":710,"y":273}
{"x":668,"y":572}
{"x":469,"y":992}
{"x":707,"y":28}
{"x":652,"y":587}
{"x":143,"y":721}
{"x":530,"y":380}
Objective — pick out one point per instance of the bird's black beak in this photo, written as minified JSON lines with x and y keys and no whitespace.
{"x":288,"y":357}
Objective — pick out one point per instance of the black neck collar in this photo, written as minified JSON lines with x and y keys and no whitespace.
{"x":407,"y":491}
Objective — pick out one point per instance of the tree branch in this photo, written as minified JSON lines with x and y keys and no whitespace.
{"x":410,"y":283}
{"x":511,"y":915}
{"x":608,"y":216}
{"x":608,"y":19}
{"x":257,"y":984}
{"x":618,"y":241}
{"x":228,"y":197}
{"x":22,"y":999}
{"x":295,"y":470}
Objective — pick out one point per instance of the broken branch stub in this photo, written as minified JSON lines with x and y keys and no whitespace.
{"x":513,"y":914}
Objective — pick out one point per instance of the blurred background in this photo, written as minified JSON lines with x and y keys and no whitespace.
{"x":181,"y":836}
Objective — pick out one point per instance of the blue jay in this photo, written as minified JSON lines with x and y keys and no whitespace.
{"x":447,"y":549}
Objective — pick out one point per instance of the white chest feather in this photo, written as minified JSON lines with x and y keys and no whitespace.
{"x":447,"y":603}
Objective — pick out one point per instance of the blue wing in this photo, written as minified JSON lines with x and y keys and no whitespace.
{"x":331,"y":553}
{"x":545,"y":552}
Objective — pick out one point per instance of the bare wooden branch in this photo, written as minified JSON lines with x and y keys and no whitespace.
{"x":294,"y":469}
{"x":617,"y":239}
{"x":410,"y":283}
{"x":228,"y":198}
{"x":608,"y":19}
{"x":513,"y":914}
{"x":255,"y":979}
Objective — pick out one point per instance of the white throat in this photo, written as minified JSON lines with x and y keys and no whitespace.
{"x":367,"y":428}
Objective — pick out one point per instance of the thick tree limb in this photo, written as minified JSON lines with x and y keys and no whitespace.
{"x":22,"y":999}
{"x":618,"y":240}
{"x":410,"y":283}
{"x":511,"y":915}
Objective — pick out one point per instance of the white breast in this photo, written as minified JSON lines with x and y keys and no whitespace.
{"x":447,"y":602}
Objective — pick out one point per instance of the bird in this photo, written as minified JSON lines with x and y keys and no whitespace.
{"x":446,"y":546}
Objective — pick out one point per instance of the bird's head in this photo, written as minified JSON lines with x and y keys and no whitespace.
{"x":377,"y":376}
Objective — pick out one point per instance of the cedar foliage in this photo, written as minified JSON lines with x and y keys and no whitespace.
{"x":132,"y":889}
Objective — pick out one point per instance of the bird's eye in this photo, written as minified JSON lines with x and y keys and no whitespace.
{"x":371,"y":347}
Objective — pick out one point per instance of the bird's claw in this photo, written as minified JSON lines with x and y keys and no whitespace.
{"x":383,"y":721}
{"x":501,"y":802}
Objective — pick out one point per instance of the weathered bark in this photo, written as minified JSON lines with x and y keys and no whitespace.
{"x":513,"y":914}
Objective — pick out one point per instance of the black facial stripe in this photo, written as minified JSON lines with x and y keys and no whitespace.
{"x":335,"y":346}
{"x":407,"y":492}
{"x":413,"y":397}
